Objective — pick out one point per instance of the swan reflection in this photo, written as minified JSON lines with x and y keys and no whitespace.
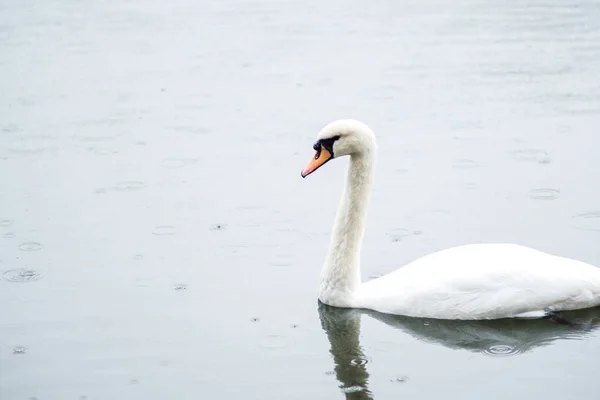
{"x":507,"y":337}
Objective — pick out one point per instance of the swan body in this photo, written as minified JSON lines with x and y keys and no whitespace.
{"x":469,"y":282}
{"x":483,"y":281}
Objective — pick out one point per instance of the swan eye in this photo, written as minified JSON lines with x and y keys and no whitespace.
{"x":328,"y":143}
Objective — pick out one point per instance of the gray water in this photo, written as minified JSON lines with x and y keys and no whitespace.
{"x":157,"y":241}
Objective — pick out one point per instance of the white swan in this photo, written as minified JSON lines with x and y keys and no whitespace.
{"x":478,"y":281}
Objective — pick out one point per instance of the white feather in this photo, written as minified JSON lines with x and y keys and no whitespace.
{"x":483,"y":281}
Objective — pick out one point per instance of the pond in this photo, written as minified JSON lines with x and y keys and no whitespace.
{"x":157,"y":240}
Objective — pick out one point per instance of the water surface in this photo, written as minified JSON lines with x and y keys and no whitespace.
{"x":157,"y":241}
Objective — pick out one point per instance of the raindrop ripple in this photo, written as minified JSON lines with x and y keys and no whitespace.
{"x":362,"y":360}
{"x":588,"y":221}
{"x":164,"y":230}
{"x":30,"y":246}
{"x":501,"y":350}
{"x":21,"y":275}
{"x":544,"y":194}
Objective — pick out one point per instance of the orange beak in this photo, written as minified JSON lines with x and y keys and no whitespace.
{"x":322,"y":155}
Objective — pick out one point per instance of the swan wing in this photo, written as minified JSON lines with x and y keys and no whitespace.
{"x":484,"y":281}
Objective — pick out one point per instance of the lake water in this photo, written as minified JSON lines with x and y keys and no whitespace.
{"x":157,"y":241}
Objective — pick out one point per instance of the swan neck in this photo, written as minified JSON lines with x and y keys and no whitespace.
{"x":341,"y":272}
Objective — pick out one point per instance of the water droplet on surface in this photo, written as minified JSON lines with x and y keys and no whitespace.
{"x":464,"y":164}
{"x":544,"y":194}
{"x":129,"y":185}
{"x":294,"y":326}
{"x":530,"y":155}
{"x":19,"y":350}
{"x":330,"y":373}
{"x":180,"y":287}
{"x":255,"y":319}
{"x":6,"y":222}
{"x":218,"y":227}
{"x":164,"y":230}
{"x":398,"y":234}
{"x":426,"y":323}
{"x":9,"y":235}
{"x":400,"y":379}
{"x":587,"y":221}
{"x":501,"y":350}
{"x":363,"y":360}
{"x":30,"y":246}
{"x":21,"y":275}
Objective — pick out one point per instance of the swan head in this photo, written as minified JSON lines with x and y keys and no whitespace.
{"x":344,"y":137}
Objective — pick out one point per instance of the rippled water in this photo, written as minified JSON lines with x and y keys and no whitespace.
{"x":156,"y":240}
